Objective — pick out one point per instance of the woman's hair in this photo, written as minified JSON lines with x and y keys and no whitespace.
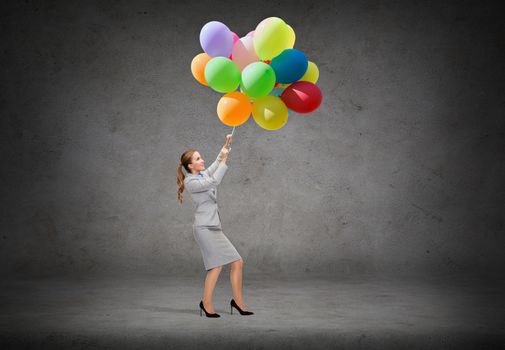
{"x":185,"y":160}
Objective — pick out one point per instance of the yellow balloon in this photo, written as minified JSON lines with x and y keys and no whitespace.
{"x":270,"y":113}
{"x":291,"y":37}
{"x":271,"y":37}
{"x":311,"y":74}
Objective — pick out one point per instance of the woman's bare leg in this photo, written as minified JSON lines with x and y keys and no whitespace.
{"x":210,"y":283}
{"x":236,"y":282}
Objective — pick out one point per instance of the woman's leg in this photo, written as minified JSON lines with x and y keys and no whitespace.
{"x":236,"y":282}
{"x":210,"y":283}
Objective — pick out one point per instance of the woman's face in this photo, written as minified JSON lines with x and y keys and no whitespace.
{"x":197,"y":163}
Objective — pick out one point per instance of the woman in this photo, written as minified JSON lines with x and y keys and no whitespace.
{"x":216,"y":249}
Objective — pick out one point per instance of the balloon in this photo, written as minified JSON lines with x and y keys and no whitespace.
{"x":271,"y":37}
{"x":222,"y":74}
{"x":243,"y":52}
{"x":289,"y":66}
{"x":292,"y":37}
{"x":276,"y":91}
{"x":251,"y":99}
{"x":281,"y":85}
{"x":216,"y":39}
{"x":302,"y":97}
{"x":312,"y":73}
{"x":235,"y":37}
{"x":258,"y":79}
{"x":198,"y":67}
{"x":251,"y":33}
{"x":234,"y":108}
{"x":270,"y":113}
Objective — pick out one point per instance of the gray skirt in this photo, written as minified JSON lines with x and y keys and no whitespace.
{"x":216,"y":248}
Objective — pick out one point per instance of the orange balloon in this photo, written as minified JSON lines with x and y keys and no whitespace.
{"x":234,"y":108}
{"x":198,"y":67}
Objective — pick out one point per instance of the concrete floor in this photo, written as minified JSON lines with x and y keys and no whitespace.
{"x":459,"y":312}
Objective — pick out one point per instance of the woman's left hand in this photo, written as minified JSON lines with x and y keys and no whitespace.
{"x":228,"y":140}
{"x":224,"y":153}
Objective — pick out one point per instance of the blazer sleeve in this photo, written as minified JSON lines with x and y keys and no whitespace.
{"x":195,"y":184}
{"x":212,"y":168}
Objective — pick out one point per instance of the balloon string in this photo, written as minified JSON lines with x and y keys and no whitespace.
{"x":229,"y":149}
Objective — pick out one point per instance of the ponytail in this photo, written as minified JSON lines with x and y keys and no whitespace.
{"x":182,"y":170}
{"x":180,"y":183}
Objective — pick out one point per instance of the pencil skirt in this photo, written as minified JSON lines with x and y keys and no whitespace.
{"x":216,"y":248}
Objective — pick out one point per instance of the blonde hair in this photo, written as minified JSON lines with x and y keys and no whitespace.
{"x":186,"y":158}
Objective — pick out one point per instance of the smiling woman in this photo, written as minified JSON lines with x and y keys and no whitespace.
{"x":198,"y":163}
{"x":216,"y":248}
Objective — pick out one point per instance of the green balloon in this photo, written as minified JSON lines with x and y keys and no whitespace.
{"x":258,"y":79}
{"x":222,"y":74}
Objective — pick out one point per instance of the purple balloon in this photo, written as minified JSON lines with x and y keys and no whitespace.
{"x":216,"y":39}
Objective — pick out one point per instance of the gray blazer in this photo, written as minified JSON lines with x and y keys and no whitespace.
{"x":203,"y":193}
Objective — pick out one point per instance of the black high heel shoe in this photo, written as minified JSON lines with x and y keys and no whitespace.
{"x":206,"y":313}
{"x":233,"y":304}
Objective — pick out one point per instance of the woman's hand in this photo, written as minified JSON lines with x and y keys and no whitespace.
{"x":228,"y":141}
{"x":224,"y":151}
{"x":224,"y":154}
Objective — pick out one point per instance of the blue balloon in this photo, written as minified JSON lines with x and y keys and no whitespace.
{"x":276,"y":91}
{"x":289,"y":66}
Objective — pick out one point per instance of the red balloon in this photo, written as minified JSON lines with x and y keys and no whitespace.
{"x":302,"y":97}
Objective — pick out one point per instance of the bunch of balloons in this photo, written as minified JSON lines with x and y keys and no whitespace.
{"x":261,"y":73}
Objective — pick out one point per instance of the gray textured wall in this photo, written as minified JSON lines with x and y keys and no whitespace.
{"x":399,"y":171}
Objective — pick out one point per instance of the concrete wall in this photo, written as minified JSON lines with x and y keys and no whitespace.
{"x":399,"y":171}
